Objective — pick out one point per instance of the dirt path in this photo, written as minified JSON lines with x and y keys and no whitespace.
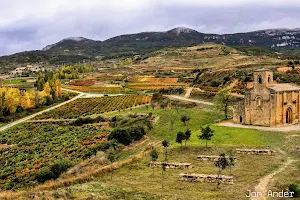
{"x":50,"y":120}
{"x":262,"y":186}
{"x":90,"y":95}
{"x":264,"y":182}
{"x":264,"y":128}
{"x":190,"y":100}
{"x":188,"y":92}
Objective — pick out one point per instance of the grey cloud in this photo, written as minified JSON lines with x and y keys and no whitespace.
{"x":33,"y":31}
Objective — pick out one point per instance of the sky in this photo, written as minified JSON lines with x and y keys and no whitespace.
{"x":34,"y":24}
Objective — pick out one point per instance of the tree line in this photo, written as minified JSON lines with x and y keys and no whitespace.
{"x":13,"y":100}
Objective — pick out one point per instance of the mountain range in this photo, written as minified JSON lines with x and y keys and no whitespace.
{"x":76,"y":49}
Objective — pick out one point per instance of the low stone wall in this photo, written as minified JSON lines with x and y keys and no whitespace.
{"x":256,"y":151}
{"x":171,"y":165}
{"x":209,"y":178}
{"x":209,"y":158}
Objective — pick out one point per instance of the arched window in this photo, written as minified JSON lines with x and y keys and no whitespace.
{"x":259,"y":79}
{"x":269,"y":79}
{"x":258,"y":101}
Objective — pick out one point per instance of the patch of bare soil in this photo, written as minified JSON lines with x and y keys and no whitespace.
{"x":5,"y":146}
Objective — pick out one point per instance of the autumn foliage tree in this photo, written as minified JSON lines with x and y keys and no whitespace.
{"x":48,"y":90}
{"x":27,"y":100}
{"x":49,"y":86}
{"x":12,"y":99}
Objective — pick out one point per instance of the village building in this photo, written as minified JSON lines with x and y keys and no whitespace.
{"x":31,"y":68}
{"x":268,"y":103}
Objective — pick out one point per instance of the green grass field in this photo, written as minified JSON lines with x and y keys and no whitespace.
{"x":202,"y":116}
{"x":13,"y":81}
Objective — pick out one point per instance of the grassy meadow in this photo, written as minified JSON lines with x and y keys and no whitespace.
{"x":136,"y":181}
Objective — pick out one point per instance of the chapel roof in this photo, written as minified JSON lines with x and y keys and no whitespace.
{"x":281,"y":87}
{"x":262,"y":70}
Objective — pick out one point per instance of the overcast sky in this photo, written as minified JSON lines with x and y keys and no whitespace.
{"x":33,"y":24}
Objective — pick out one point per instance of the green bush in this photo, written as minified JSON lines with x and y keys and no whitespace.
{"x":44,"y":175}
{"x":60,"y":166}
{"x":121,"y":135}
{"x":88,"y":120}
{"x":127,"y":135}
{"x":294,"y":188}
{"x":53,"y":171}
{"x":137,"y":132}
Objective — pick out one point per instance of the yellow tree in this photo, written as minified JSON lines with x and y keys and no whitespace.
{"x":57,"y":88}
{"x":2,"y":99}
{"x":47,"y":89}
{"x":12,"y":99}
{"x":40,"y":81}
{"x":27,"y":100}
{"x":42,"y":97}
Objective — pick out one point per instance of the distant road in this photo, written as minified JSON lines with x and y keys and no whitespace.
{"x":190,"y":100}
{"x":39,"y":113}
{"x":90,"y":95}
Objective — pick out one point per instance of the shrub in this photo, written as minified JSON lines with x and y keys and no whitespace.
{"x":60,"y":166}
{"x":44,"y":175}
{"x":88,"y":120}
{"x":127,"y":135}
{"x":137,"y":132}
{"x":54,"y":170}
{"x":121,"y":135}
{"x":294,"y":188}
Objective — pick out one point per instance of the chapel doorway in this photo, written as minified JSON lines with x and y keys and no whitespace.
{"x":289,"y":116}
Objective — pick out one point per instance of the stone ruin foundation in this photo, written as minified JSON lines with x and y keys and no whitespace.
{"x":256,"y":151}
{"x":209,"y":178}
{"x":210,"y":158}
{"x":171,"y":165}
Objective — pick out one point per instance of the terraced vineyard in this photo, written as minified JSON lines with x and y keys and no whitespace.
{"x":35,"y":146}
{"x":100,"y":89}
{"x":90,"y":106}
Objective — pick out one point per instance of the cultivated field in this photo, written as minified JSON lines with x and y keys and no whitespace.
{"x":91,"y":106}
{"x":38,"y":145}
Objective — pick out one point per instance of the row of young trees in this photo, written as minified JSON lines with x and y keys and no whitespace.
{"x":206,"y":134}
{"x":49,"y":82}
{"x":65,"y":72}
{"x":222,"y":163}
{"x":73,"y":71}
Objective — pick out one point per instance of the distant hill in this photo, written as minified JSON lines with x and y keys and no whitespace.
{"x":147,"y":41}
{"x":76,"y":49}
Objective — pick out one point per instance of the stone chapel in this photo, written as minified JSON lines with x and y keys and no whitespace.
{"x":268,"y":103}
